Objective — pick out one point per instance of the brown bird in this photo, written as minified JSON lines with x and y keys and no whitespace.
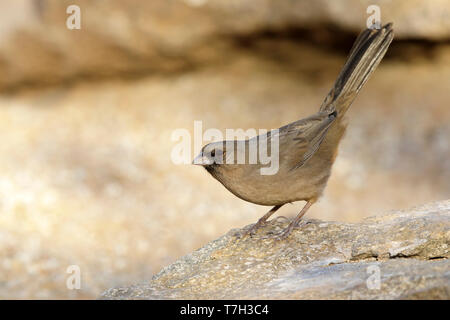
{"x":307,"y":148}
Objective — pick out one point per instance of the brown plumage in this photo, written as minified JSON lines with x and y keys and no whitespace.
{"x":307,"y":147}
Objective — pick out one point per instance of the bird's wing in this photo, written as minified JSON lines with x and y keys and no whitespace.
{"x":306,"y":135}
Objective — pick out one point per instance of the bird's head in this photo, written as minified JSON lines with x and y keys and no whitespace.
{"x":211,"y":155}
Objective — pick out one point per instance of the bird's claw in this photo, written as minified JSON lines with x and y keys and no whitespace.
{"x":286,"y":232}
{"x":281,"y":218}
{"x":250,"y":232}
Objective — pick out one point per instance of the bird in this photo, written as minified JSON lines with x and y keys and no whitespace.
{"x":307,"y":148}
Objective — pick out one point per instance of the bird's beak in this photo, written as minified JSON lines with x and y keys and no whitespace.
{"x":201,"y":160}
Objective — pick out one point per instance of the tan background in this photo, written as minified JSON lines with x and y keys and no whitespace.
{"x":86,"y":118}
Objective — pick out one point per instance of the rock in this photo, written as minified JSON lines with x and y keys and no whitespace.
{"x":140,"y":37}
{"x":399,"y":255}
{"x":96,"y":154}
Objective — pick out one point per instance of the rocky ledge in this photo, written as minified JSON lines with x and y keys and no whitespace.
{"x":399,"y":255}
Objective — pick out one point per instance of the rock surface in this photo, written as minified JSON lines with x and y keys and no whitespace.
{"x":143,"y":37}
{"x":407,"y":251}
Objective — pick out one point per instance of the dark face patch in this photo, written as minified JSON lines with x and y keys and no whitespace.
{"x":211,"y":168}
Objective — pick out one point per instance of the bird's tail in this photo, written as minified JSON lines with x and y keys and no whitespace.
{"x":365,"y":55}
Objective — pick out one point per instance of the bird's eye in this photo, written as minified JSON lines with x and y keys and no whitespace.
{"x":213,"y":153}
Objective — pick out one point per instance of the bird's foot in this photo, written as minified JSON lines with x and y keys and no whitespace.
{"x":252,"y":230}
{"x":287,"y":231}
{"x":281,"y":218}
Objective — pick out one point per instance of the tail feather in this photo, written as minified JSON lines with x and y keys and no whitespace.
{"x":365,"y":55}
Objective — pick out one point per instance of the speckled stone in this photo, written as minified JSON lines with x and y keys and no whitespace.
{"x":399,"y":255}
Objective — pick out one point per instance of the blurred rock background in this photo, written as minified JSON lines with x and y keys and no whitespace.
{"x":86,"y":118}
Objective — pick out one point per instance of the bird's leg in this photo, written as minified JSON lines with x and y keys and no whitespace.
{"x":285,"y":233}
{"x":261,"y":221}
